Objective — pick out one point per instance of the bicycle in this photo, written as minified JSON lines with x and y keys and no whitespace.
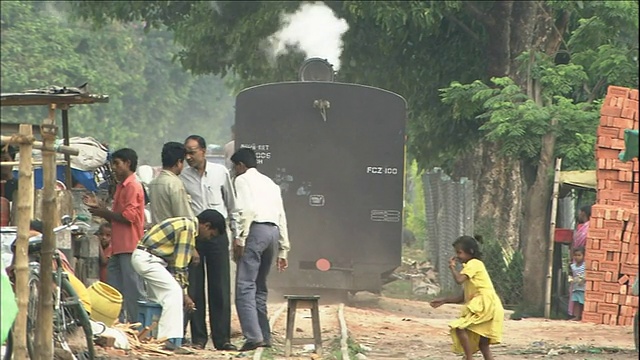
{"x":69,"y":316}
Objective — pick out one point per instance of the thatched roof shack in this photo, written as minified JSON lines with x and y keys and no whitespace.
{"x":62,"y":98}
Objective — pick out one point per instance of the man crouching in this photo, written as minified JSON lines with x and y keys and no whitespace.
{"x":162,"y":257}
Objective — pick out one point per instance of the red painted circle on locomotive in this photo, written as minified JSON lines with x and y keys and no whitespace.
{"x":323,"y":264}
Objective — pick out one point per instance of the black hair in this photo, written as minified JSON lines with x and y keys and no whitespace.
{"x":246,"y":156}
{"x":105,"y":224}
{"x":199,"y":139}
{"x":11,"y":150}
{"x":579,"y":249}
{"x":172,"y":152}
{"x":36,"y":225}
{"x":129,"y":155}
{"x":470,"y":245}
{"x":214,"y":219}
{"x":586,"y":210}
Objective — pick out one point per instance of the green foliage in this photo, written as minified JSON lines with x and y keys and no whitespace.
{"x":517,"y":122}
{"x":152,"y":100}
{"x":505,"y":269}
{"x":415,"y":219}
{"x":416,"y":48}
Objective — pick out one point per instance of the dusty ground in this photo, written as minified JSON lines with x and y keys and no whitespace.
{"x":388,"y":328}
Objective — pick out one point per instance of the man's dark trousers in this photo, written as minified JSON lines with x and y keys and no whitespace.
{"x":214,"y":255}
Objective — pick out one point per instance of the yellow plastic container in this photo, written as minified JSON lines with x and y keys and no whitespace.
{"x":106,"y":303}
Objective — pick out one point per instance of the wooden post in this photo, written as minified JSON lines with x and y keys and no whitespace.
{"x":21,"y":261}
{"x":552,"y":233}
{"x":65,"y":136}
{"x":44,"y":323}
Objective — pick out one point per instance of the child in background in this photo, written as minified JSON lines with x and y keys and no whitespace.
{"x":104,"y":234}
{"x":480,"y":323}
{"x":577,"y":279}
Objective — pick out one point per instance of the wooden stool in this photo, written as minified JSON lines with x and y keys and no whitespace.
{"x":295,"y":302}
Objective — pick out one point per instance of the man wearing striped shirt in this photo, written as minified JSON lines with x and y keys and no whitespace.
{"x":162,"y":257}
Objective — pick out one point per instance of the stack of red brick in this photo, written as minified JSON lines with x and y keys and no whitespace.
{"x":612,"y":242}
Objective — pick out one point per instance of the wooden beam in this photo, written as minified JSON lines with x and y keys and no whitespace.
{"x":62,"y":149}
{"x":21,"y":260}
{"x":44,"y":323}
{"x":34,"y":163}
{"x":552,"y":233}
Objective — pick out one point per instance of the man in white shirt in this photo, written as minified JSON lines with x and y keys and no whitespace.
{"x":209,"y":186}
{"x":264,"y":223}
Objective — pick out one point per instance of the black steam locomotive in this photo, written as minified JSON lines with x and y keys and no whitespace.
{"x":337,"y":151}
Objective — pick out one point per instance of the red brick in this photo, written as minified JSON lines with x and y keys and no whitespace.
{"x":607,"y":120}
{"x":604,"y":153}
{"x":592,"y":317}
{"x":611,"y":245}
{"x":633,"y":94}
{"x":630,"y":104}
{"x":588,"y":286}
{"x":607,"y":287}
{"x":617,"y":144}
{"x":622,"y":166}
{"x":615,"y":235}
{"x":628,"y":196}
{"x":592,"y":265}
{"x":606,"y":175}
{"x":625,"y":176}
{"x":611,"y":111}
{"x":597,"y":233}
{"x":613,"y":256}
{"x":611,"y":309}
{"x":593,"y":244}
{"x":594,"y":275}
{"x":629,"y":113}
{"x":599,"y":255}
{"x":625,"y":250}
{"x":608,"y":276}
{"x":609,"y":266}
{"x":618,"y":91}
{"x":622,"y":123}
{"x":625,"y":269}
{"x":608,"y":298}
{"x":603,"y":142}
{"x":614,"y":224}
{"x":611,"y":132}
{"x":609,"y":194}
{"x":595,"y":296}
{"x":617,"y":185}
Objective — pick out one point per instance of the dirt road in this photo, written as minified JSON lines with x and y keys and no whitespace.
{"x":394,"y":329}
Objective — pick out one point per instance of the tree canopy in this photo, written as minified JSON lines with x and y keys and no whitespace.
{"x":496,"y":89}
{"x":152,"y":99}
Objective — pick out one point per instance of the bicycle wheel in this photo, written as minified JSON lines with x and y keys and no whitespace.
{"x":32,"y":313}
{"x":76,"y":319}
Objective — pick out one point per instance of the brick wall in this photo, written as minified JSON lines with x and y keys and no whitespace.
{"x":612,"y":243}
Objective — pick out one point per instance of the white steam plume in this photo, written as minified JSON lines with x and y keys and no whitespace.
{"x":315,"y":30}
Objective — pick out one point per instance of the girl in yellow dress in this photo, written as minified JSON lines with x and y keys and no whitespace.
{"x":480,"y":323}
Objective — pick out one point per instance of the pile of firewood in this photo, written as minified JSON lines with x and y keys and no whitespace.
{"x":140,"y":341}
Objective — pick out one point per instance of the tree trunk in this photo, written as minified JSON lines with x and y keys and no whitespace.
{"x":498,"y":191}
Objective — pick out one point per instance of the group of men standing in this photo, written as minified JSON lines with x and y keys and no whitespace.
{"x":190,"y":207}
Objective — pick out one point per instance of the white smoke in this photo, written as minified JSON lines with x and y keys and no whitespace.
{"x":315,"y":30}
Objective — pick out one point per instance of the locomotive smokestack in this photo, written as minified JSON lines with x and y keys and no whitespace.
{"x":316,"y":69}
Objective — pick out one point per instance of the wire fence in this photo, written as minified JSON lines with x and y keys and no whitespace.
{"x":449,"y":208}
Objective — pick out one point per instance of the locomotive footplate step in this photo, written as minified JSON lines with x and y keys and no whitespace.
{"x":295,"y":302}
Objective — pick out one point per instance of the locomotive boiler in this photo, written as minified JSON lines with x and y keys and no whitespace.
{"x":337,"y":151}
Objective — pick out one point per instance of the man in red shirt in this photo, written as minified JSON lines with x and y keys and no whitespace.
{"x":127,"y":228}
